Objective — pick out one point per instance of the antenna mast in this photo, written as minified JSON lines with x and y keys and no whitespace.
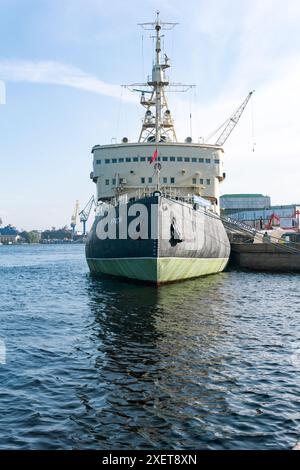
{"x":158,"y":125}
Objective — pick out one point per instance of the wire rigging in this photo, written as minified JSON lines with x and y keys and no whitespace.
{"x":119,"y":112}
{"x":240,"y":227}
{"x":252,"y":125}
{"x":190,"y":114}
{"x":143,"y":62}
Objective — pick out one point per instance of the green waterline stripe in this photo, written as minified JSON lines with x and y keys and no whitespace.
{"x":157,"y":270}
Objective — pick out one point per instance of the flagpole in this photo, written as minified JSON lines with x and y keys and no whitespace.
{"x":157,"y":167}
{"x":157,"y":172}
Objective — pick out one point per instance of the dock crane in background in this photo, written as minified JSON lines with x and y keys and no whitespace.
{"x":230,"y":123}
{"x":74,"y":218}
{"x":85,"y":213}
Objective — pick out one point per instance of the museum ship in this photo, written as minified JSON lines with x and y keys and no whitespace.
{"x":157,"y":215}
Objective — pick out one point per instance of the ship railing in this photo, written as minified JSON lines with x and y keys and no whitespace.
{"x":166,"y":191}
{"x":169,"y":192}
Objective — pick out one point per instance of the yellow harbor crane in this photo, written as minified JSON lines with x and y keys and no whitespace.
{"x":74,"y":218}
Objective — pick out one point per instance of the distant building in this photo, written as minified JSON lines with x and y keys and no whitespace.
{"x":256,"y":210}
{"x":241,"y":202}
{"x":9,"y":234}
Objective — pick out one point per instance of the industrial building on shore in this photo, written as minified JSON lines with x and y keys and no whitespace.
{"x":257,"y":211}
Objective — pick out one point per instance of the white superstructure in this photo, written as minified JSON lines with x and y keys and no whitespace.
{"x":123,"y":170}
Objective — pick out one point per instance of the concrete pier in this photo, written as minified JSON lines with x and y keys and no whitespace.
{"x":265,"y":257}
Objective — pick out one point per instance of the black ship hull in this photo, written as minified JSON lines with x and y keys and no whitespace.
{"x":158,"y":240}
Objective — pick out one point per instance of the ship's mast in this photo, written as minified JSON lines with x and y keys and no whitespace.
{"x":159,"y":81}
{"x":158,"y":125}
{"x":157,"y":84}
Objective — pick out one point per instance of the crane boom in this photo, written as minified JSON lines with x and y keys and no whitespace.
{"x":85,"y":212}
{"x":232,"y":121}
{"x":74,"y":217}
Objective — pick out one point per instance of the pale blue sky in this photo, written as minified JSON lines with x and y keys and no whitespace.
{"x":63,"y":60}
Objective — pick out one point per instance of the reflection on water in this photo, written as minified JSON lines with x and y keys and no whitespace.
{"x":157,"y":349}
{"x":101,"y":363}
{"x":184,"y":371}
{"x":2,"y":352}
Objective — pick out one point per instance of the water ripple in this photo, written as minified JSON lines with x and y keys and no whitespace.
{"x":212,"y":363}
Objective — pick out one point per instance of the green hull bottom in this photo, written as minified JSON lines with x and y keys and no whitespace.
{"x":157,"y":270}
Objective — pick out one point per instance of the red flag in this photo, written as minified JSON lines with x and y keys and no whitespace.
{"x":154,"y":156}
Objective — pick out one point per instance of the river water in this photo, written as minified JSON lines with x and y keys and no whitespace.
{"x":88,"y":363}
